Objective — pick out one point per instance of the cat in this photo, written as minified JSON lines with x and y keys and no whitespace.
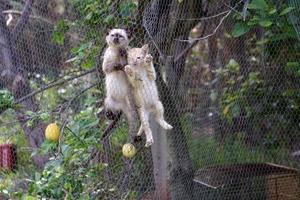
{"x":141,"y":75}
{"x":118,"y":90}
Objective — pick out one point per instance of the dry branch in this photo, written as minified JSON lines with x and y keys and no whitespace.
{"x":111,"y":126}
{"x":209,"y":35}
{"x":60,"y":82}
{"x":16,"y":12}
{"x":228,"y":12}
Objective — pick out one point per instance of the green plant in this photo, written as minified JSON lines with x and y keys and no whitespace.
{"x":263,"y":13}
{"x":6,"y":100}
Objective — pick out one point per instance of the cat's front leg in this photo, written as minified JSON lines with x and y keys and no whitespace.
{"x":131,"y":75}
{"x":149,"y":67}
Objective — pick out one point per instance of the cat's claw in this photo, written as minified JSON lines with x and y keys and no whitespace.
{"x":148,"y":58}
{"x":128,"y":70}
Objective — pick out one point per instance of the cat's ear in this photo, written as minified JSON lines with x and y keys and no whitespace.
{"x":145,"y":48}
{"x":108,"y":30}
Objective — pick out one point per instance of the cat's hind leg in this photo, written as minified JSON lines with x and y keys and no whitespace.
{"x":159,"y":116}
{"x":144,"y":116}
{"x":141,"y":129}
{"x":131,"y":115}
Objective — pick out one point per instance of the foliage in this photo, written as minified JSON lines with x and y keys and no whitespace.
{"x":264,"y":13}
{"x":71,"y":172}
{"x":267,"y":111}
{"x":6,"y":100}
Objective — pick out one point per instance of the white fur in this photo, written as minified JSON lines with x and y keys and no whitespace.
{"x":118,"y":89}
{"x":141,"y":75}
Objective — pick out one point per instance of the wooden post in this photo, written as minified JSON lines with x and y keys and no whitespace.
{"x":160,"y":157}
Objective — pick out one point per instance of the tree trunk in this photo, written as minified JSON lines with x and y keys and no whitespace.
{"x":163,"y":26}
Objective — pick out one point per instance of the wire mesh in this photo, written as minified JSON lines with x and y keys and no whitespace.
{"x":227,"y":76}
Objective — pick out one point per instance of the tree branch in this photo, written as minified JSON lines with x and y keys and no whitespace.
{"x":23,"y":21}
{"x":65,"y":120}
{"x":16,"y":12}
{"x":186,"y":50}
{"x":161,"y":54}
{"x":209,"y":35}
{"x":111,"y":126}
{"x":204,"y":18}
{"x":60,"y":82}
{"x":218,"y":26}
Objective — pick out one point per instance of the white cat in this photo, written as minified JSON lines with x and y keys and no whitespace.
{"x":141,"y":75}
{"x":118,"y":89}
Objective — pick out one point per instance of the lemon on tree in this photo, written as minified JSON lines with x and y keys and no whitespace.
{"x":128,"y":150}
{"x":52,"y":132}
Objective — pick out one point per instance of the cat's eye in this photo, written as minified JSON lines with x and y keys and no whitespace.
{"x":113,"y":35}
{"x":139,"y":57}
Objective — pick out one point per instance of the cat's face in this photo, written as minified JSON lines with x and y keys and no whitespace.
{"x":136,"y":56}
{"x":117,"y":38}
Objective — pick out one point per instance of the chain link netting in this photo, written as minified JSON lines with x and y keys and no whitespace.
{"x":227,"y":75}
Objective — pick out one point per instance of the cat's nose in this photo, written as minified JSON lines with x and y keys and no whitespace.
{"x":116,"y":40}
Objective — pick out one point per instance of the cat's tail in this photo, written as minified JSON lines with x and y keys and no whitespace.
{"x":165,"y":125}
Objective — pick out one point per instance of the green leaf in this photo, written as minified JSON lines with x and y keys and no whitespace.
{"x":226,"y":110}
{"x":62,"y":26}
{"x":286,"y":11}
{"x":236,"y":110}
{"x":109,"y":19}
{"x":89,"y":63}
{"x":127,"y":8}
{"x":233,"y":66}
{"x":265,"y":23}
{"x":58,"y":38}
{"x":258,"y":5}
{"x":293,"y":67}
{"x":272,"y":11}
{"x":240,"y":29}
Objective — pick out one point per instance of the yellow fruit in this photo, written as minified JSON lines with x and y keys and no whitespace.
{"x":52,"y":132}
{"x":128,"y":150}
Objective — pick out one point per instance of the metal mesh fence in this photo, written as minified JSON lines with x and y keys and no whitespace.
{"x":227,"y":74}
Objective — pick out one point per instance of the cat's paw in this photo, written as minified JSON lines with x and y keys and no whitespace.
{"x":149,"y":142}
{"x":148,"y":58}
{"x":110,"y":115}
{"x":128,"y":70}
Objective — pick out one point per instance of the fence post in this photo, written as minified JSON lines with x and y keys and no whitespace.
{"x":160,"y":161}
